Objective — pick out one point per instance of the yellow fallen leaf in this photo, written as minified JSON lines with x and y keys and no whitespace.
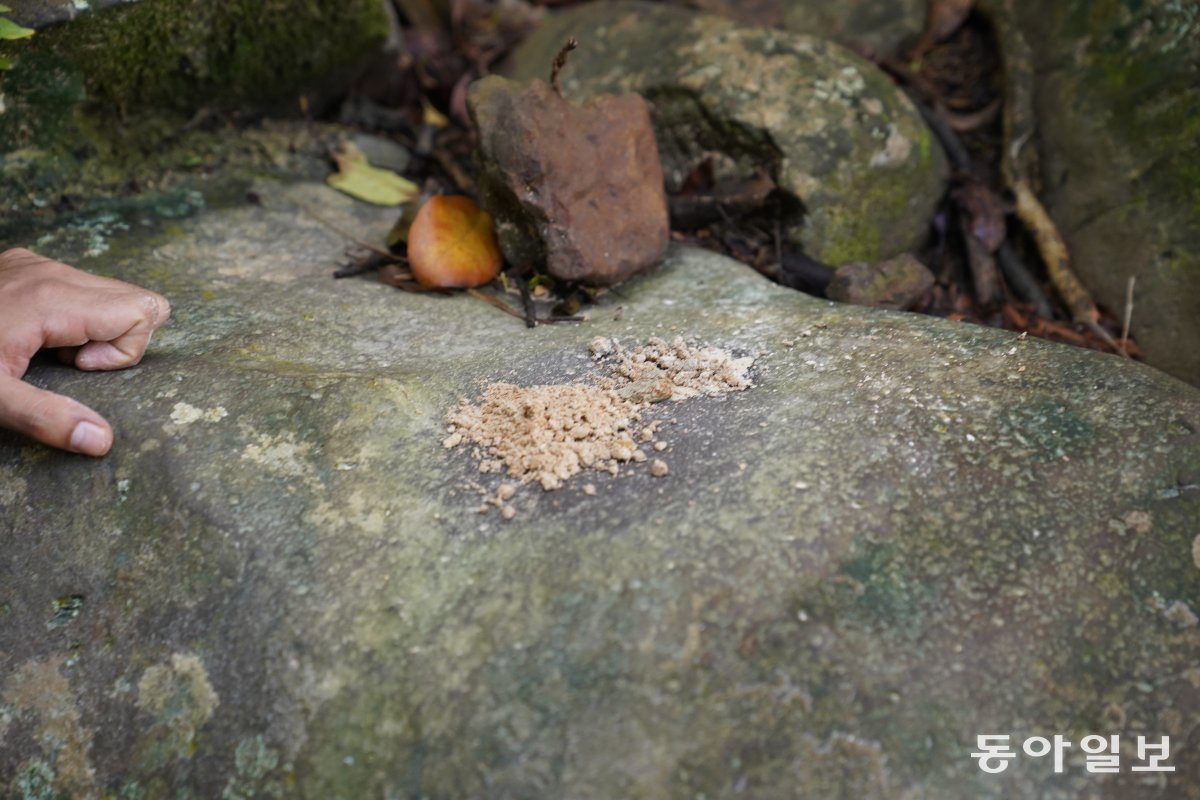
{"x":431,"y":116}
{"x":358,"y":178}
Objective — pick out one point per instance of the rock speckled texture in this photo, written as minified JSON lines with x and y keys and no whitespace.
{"x":576,"y":190}
{"x":897,"y":283}
{"x":907,"y":533}
{"x":831,"y":128}
{"x":880,"y":25}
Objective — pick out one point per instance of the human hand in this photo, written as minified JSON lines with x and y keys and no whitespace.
{"x":93,"y":322}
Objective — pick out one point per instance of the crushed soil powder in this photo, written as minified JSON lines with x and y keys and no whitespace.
{"x":547,"y":434}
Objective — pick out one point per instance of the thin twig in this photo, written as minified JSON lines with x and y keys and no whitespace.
{"x":560,"y":61}
{"x":1128,"y":314}
{"x":497,"y":302}
{"x":531,"y":319}
{"x":456,"y":173}
{"x":368,"y":263}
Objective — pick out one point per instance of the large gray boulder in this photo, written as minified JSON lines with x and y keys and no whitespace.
{"x":831,"y":128}
{"x":907,"y":533}
{"x":1118,"y":112}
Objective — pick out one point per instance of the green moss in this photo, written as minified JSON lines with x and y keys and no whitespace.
{"x":843,"y":233}
{"x":115,"y":88}
{"x":180,"y":54}
{"x":1142,"y":66}
{"x":41,"y":94}
{"x":846,"y":237}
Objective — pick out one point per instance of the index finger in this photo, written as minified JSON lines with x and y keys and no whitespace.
{"x":128,"y":346}
{"x":110,"y":321}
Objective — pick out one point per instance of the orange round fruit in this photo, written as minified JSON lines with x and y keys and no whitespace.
{"x":452,"y":244}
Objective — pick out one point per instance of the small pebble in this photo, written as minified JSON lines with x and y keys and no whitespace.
{"x":508,"y":512}
{"x":660,"y":446}
{"x":589,"y":489}
{"x":659,"y":468}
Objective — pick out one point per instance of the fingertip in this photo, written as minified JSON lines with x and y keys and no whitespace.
{"x":91,"y":439}
{"x":164,"y":307}
{"x":53,"y":419}
{"x":103,"y":355}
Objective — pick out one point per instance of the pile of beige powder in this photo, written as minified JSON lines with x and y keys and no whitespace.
{"x":547,"y":434}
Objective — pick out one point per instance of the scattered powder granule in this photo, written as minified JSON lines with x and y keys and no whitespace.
{"x":658,"y":370}
{"x":547,"y":434}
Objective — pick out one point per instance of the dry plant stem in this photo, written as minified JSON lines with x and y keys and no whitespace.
{"x":369,"y":263}
{"x":1053,"y":250}
{"x":1128,"y":314}
{"x":497,"y":302}
{"x":461,"y":179}
{"x":560,"y":61}
{"x":531,"y":319}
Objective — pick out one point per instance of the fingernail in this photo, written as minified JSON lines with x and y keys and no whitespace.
{"x":89,"y":439}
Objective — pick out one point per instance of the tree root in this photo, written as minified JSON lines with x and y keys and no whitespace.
{"x":1017,"y":164}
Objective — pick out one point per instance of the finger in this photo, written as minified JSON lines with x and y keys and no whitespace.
{"x":122,"y":318}
{"x":132,"y":343}
{"x":52,"y":419}
{"x":106,"y":355}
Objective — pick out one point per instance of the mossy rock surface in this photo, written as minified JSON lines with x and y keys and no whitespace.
{"x":833,"y":130}
{"x":128,"y":77}
{"x":907,"y":533}
{"x":1118,"y":114}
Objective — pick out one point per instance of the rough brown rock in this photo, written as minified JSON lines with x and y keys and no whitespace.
{"x":897,"y":283}
{"x":828,"y":127}
{"x":576,"y":189}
